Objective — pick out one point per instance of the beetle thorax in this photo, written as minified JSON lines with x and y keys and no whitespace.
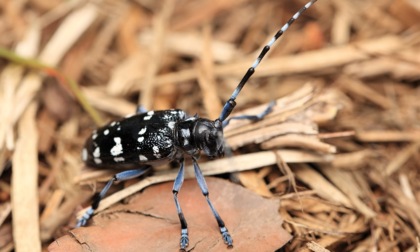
{"x":195,"y":134}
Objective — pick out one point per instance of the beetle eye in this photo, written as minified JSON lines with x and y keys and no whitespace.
{"x":214,"y":141}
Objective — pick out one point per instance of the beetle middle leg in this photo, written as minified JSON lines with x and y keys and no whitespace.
{"x":121,"y":176}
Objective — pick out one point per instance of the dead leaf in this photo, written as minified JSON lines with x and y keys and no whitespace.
{"x":149,"y":222}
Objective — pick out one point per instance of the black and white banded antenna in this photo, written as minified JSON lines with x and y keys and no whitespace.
{"x":230,"y":104}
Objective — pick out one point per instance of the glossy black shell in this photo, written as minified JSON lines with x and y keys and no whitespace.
{"x":140,"y":139}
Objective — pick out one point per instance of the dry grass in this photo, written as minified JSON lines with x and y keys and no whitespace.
{"x":340,"y":150}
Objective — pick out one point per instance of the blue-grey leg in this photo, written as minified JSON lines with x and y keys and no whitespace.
{"x":203,"y":186}
{"x":122,"y":176}
{"x":177,"y":186}
{"x":260,"y":116}
{"x":140,"y":109}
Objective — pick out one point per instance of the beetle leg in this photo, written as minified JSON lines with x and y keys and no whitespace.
{"x":203,"y":186}
{"x":122,"y":176}
{"x":260,"y":116}
{"x":140,"y":109}
{"x":177,"y":186}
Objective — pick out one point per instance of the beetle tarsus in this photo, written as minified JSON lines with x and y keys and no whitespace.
{"x":184,"y":242}
{"x":226,"y":237}
{"x":85,"y":217}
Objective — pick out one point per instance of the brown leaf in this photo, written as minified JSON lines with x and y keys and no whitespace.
{"x":149,"y":222}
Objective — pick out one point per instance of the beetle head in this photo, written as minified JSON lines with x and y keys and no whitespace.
{"x":208,"y":136}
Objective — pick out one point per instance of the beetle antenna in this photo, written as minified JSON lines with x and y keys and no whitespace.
{"x":230,"y":104}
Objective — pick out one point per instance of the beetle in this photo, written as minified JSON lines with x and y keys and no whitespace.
{"x":137,"y":143}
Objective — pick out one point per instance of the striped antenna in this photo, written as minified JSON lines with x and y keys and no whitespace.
{"x":230,"y":104}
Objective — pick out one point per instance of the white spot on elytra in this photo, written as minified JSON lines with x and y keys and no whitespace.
{"x":142,"y":158}
{"x":94,"y":135}
{"x":106,"y":132}
{"x":155,"y":149}
{"x":140,"y":139}
{"x":97,"y":160}
{"x":119,"y":159}
{"x":97,"y":152}
{"x":142,"y":131}
{"x":149,"y":115}
{"x":171,"y":125}
{"x":119,"y":128}
{"x":84,"y":154}
{"x":117,"y":149}
{"x":113,"y":124}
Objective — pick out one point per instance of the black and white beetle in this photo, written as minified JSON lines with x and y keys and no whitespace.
{"x":147,"y":138}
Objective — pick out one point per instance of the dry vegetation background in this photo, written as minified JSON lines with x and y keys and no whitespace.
{"x":341,"y":149}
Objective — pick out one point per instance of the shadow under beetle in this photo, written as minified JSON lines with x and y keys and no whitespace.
{"x":147,"y":138}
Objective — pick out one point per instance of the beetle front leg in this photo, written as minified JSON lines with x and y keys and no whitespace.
{"x":203,"y":186}
{"x":177,"y":186}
